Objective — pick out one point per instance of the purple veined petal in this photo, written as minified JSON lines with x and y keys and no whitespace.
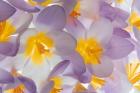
{"x":48,"y":87}
{"x":51,"y":18}
{"x":104,"y":69}
{"x":28,"y":83}
{"x":120,"y":32}
{"x":75,"y":28}
{"x":119,"y":47}
{"x":5,"y":77}
{"x":59,"y":68}
{"x":101,"y":31}
{"x":64,"y":43}
{"x":23,"y":5}
{"x":21,"y":20}
{"x":6,"y":10}
{"x":11,"y":47}
{"x":77,"y":63}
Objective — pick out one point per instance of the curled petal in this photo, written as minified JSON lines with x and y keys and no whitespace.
{"x":6,"y":10}
{"x":21,"y":4}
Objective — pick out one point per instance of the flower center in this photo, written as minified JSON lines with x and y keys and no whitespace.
{"x":6,"y":29}
{"x":90,"y":50}
{"x":40,"y":3}
{"x":133,"y":74}
{"x":39,"y":47}
{"x":18,"y":89}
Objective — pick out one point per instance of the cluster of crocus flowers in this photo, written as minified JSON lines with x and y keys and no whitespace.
{"x":69,"y":46}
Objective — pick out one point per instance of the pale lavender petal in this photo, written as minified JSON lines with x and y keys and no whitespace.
{"x":10,"y":48}
{"x":77,"y":65}
{"x":136,"y":33}
{"x":101,"y":31}
{"x":51,"y":18}
{"x":119,"y":47}
{"x":122,"y":33}
{"x":85,"y":77}
{"x":29,"y":84}
{"x":5,"y":76}
{"x":104,"y":69}
{"x":75,"y":28}
{"x":6,"y":10}
{"x":48,"y":87}
{"x":64,"y":42}
{"x":59,"y":68}
{"x":68,"y":5}
{"x":21,"y":4}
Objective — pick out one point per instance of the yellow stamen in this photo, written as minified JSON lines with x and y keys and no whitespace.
{"x":76,"y":11}
{"x":97,"y":82}
{"x":39,"y":47}
{"x":6,"y":29}
{"x":90,"y":50}
{"x":134,"y":20}
{"x":133,"y":73}
{"x":18,"y":89}
{"x":57,"y":85}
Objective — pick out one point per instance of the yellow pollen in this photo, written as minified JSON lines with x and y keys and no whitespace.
{"x":97,"y":82}
{"x":6,"y":29}
{"x":133,"y":74}
{"x":39,"y":47}
{"x":90,"y":50}
{"x":18,"y":89}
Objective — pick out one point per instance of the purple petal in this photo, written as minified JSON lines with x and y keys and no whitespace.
{"x":101,"y":31}
{"x":122,"y":33}
{"x":21,"y":4}
{"x":85,"y":77}
{"x":5,"y":77}
{"x":64,"y":43}
{"x":119,"y":47}
{"x":6,"y":10}
{"x":104,"y":69}
{"x":48,"y":87}
{"x":50,"y":18}
{"x":59,"y":68}
{"x":77,"y":65}
{"x":69,"y":5}
{"x":10,"y":48}
{"x":29,"y":84}
{"x":75,"y":28}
